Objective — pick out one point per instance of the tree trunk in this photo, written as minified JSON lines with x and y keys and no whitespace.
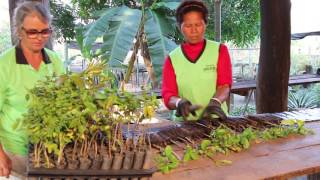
{"x":148,"y":63}
{"x":12,"y":5}
{"x":274,"y":61}
{"x":217,"y":22}
{"x":133,"y":58}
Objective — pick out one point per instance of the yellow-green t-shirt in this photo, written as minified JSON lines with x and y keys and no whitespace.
{"x":17,"y":76}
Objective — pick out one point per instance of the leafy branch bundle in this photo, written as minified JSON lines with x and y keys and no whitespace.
{"x":77,"y":119}
{"x":224,"y":140}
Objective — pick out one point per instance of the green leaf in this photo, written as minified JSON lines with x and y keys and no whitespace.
{"x":190,"y":154}
{"x":78,"y":81}
{"x":85,"y":50}
{"x":245,"y":143}
{"x":168,"y":150}
{"x":52,"y":148}
{"x":186,"y":158}
{"x":100,"y":96}
{"x":173,"y":165}
{"x":205,"y":144}
{"x":118,"y":40}
{"x":289,"y":122}
{"x":99,"y":27}
{"x":194,"y":155}
{"x":300,"y":123}
{"x":159,"y":45}
{"x":170,"y":5}
{"x":165,"y":169}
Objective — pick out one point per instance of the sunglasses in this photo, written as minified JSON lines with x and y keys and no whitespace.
{"x":33,"y":33}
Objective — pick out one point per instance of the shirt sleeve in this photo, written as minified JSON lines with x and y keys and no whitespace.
{"x":224,"y":68}
{"x":169,"y":83}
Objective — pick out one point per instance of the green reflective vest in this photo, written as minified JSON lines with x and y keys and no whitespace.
{"x":196,"y":81}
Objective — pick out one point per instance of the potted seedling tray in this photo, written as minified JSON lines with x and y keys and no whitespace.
{"x":121,"y":173}
{"x":126,"y":165}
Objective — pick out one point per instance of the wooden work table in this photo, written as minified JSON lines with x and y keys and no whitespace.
{"x":277,"y":159}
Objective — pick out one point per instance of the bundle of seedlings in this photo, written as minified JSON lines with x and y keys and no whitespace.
{"x":195,"y":130}
{"x":177,"y":132}
{"x":225,"y":140}
{"x":75,"y":121}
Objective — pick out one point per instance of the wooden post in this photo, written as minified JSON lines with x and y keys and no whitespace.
{"x":274,"y":61}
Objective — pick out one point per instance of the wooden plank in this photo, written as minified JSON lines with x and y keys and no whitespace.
{"x":278,"y":159}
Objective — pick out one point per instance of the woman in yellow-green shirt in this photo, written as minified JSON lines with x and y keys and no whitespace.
{"x":20,"y":68}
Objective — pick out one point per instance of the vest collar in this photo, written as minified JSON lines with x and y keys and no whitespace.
{"x":198,"y":57}
{"x":21,"y":59}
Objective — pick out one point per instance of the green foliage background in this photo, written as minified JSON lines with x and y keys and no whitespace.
{"x":5,"y":41}
{"x":240,"y":19}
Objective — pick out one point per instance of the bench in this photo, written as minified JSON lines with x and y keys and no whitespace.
{"x":243,"y":87}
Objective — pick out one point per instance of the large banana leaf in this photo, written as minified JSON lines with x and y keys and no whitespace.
{"x":118,"y":40}
{"x":172,"y":5}
{"x":159,"y":44}
{"x":85,"y":51}
{"x":167,"y":23}
{"x":99,"y":27}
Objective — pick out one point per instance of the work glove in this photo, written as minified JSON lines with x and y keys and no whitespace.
{"x":214,"y":107}
{"x":184,"y":108}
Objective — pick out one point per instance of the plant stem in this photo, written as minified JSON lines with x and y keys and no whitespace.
{"x":132,"y":58}
{"x":74,"y":149}
{"x":82,"y":148}
{"x":109,"y":147}
{"x":47,"y":158}
{"x":115,"y":136}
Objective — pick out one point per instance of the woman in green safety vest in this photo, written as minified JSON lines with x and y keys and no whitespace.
{"x":20,"y":68}
{"x":196,"y":75}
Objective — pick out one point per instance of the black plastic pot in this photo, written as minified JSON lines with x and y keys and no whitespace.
{"x":62,"y":164}
{"x":117,"y":161}
{"x":128,"y":160}
{"x":97,"y":162}
{"x":107,"y":162}
{"x":85,"y":163}
{"x":73,"y":164}
{"x":138,"y":160}
{"x":147,"y":162}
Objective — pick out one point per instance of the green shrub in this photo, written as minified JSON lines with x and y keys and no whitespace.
{"x":5,"y":37}
{"x":301,"y":99}
{"x":242,"y":110}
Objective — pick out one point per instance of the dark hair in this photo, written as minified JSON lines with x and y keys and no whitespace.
{"x":191,"y":5}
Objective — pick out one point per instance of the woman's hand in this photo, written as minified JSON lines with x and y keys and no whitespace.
{"x":5,"y":164}
{"x":214,"y":107}
{"x":184,"y":108}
